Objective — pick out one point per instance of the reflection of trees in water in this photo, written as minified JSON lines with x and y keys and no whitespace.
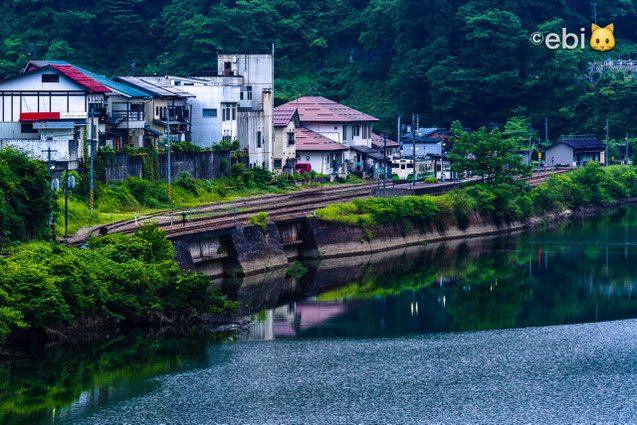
{"x":30,"y":389}
{"x":547,"y":277}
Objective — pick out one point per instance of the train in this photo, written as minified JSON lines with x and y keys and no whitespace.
{"x":402,"y":169}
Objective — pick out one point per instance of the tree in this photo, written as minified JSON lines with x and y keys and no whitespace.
{"x":486,"y":154}
{"x":25,"y":196}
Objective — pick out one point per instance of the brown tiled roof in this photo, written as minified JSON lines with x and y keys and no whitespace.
{"x":307,"y":140}
{"x":378,"y":141}
{"x":320,"y":109}
{"x":283,"y":115}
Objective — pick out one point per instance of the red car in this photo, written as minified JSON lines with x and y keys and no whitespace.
{"x":303,"y":167}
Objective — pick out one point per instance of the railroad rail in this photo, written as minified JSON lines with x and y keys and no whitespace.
{"x":278,"y":207}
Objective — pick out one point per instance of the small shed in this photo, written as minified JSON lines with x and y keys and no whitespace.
{"x":575,"y":151}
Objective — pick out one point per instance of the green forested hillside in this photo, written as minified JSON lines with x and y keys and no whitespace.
{"x":469,"y":60}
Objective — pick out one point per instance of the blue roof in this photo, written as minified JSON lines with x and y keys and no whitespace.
{"x":102,"y":79}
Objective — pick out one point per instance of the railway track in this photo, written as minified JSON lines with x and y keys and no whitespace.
{"x":241,"y":209}
{"x":278,"y":207}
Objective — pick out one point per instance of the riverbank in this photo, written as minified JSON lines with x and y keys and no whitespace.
{"x":376,"y":225}
{"x":50,"y":292}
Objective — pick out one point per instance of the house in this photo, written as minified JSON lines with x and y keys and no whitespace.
{"x":575,"y":151}
{"x":44,"y":110}
{"x":339,"y":123}
{"x":379,"y":143}
{"x":120,"y":120}
{"x":233,"y":103}
{"x":424,"y":145}
{"x":286,"y":121}
{"x":166,"y":104}
{"x":324,"y":154}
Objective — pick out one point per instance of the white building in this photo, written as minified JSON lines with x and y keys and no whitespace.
{"x":46,"y":107}
{"x":234,"y":104}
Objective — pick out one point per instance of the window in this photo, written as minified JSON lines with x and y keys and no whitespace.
{"x":277,"y":163}
{"x":178,"y":83}
{"x":367,"y":131}
{"x":249,"y":92}
{"x":209,"y":113}
{"x":356,"y":131}
{"x":50,"y":78}
{"x":241,"y":96}
{"x":189,"y":84}
{"x":259,"y":141}
{"x":290,"y":138}
{"x":27,"y":127}
{"x":229,"y":112}
{"x":156,"y":111}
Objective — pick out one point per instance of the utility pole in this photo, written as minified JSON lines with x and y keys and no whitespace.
{"x":626,"y":148}
{"x":413,"y":146}
{"x":606,"y":153}
{"x":546,"y":131}
{"x":384,"y":164}
{"x":92,"y":141}
{"x":170,"y":195}
{"x":401,"y":145}
{"x":530,"y":145}
{"x":595,"y":12}
{"x":49,"y":151}
{"x":66,"y":200}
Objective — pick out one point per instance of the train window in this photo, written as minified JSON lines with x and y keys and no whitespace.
{"x":402,"y":166}
{"x":410,"y":165}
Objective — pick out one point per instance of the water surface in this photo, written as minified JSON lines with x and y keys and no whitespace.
{"x":536,"y":327}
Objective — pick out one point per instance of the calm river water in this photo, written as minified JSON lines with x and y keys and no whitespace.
{"x":537,"y":327}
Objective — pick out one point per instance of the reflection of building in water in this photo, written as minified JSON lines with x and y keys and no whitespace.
{"x":288,"y":320}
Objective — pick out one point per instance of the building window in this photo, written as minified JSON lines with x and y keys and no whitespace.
{"x":290,"y":138}
{"x":209,"y":112}
{"x":241,"y":96}
{"x":249,"y":88}
{"x":178,"y":83}
{"x":366,"y":131}
{"x":259,"y":142}
{"x":277,"y":163}
{"x":356,"y":131}
{"x":27,"y":127}
{"x":229,"y":112}
{"x":50,"y":78}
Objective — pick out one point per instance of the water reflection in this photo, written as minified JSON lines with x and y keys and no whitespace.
{"x":56,"y":384}
{"x":578,"y":272}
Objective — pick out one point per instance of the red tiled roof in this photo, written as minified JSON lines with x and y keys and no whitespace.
{"x":320,"y":109}
{"x":307,"y":140}
{"x":282,"y":116}
{"x":81,"y":78}
{"x":378,"y":141}
{"x":37,"y":116}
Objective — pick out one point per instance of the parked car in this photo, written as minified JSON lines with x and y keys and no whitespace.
{"x":303,"y":167}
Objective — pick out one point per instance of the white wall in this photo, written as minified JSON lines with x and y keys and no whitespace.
{"x":331,"y":131}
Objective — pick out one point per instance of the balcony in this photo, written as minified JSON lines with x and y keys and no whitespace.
{"x":129,"y":119}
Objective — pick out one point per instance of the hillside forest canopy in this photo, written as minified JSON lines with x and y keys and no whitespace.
{"x":467,"y":60}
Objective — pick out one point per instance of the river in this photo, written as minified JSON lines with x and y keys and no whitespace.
{"x":534,"y":327}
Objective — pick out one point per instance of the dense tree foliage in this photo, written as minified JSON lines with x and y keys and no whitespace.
{"x":25,"y":204}
{"x":486,"y":154}
{"x":469,"y":60}
{"x":125,"y":277}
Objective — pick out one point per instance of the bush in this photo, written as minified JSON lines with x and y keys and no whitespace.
{"x":25,"y":196}
{"x":431,"y":180}
{"x":127,"y":277}
{"x":261,"y":219}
